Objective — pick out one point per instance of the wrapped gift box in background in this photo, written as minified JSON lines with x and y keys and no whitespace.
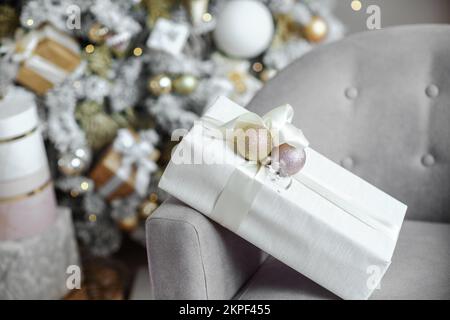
{"x":37,"y":241}
{"x":329,"y":224}
{"x":27,"y":200}
{"x":35,"y":267}
{"x":47,"y":57}
{"x":127,"y":165}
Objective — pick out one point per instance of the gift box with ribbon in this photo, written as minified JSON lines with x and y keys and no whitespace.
{"x":46,"y":57}
{"x":36,"y":267}
{"x":127,"y":166}
{"x":314,"y":216}
{"x":27,"y":200}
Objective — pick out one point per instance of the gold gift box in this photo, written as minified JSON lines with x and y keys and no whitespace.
{"x":54,"y":53}
{"x":107,"y":167}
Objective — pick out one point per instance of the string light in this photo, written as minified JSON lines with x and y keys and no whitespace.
{"x":207,"y":17}
{"x":356,"y":5}
{"x":257,"y":67}
{"x":84,"y":186}
{"x":137,"y":52}
{"x":89,"y":48}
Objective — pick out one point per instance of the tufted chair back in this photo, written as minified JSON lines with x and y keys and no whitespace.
{"x":378,"y":103}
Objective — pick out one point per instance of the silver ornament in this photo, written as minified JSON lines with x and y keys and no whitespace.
{"x":71,"y":165}
{"x":83,"y":153}
{"x":185,"y":84}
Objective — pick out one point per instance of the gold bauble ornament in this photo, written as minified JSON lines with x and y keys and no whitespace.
{"x":99,"y":60}
{"x":185,"y":84}
{"x":98,"y":33}
{"x":286,"y":29}
{"x":159,"y":85}
{"x":9,"y":20}
{"x":316,"y":30}
{"x":267,"y":74}
{"x":197,"y":10}
{"x":100,"y":129}
{"x":132,"y":118}
{"x":252,"y":143}
{"x":148,"y":206}
{"x":158,"y":9}
{"x":129,"y":223}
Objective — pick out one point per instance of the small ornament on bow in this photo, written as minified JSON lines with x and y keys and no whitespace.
{"x":271,"y":141}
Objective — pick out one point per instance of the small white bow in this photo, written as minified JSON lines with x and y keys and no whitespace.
{"x":135,"y":153}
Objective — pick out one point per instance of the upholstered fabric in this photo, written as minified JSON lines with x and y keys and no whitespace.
{"x":191,"y":257}
{"x":420,"y":269}
{"x":378,"y":103}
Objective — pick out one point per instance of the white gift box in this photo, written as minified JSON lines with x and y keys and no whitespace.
{"x":168,"y":36}
{"x":37,"y":267}
{"x":329,"y":224}
{"x":25,"y":181}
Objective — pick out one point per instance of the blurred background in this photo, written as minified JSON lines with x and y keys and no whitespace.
{"x":394,"y":12}
{"x":110,"y":81}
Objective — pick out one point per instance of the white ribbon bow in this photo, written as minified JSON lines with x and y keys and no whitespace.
{"x":134,"y":154}
{"x":277,"y":121}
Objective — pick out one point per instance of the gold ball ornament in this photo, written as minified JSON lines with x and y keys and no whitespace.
{"x":147,"y":208}
{"x":100,"y":129}
{"x":9,"y":20}
{"x":99,"y":59}
{"x":253,"y":144}
{"x":185,"y":84}
{"x":316,"y":30}
{"x":129,"y":223}
{"x":267,"y":74}
{"x":98,"y":33}
{"x":159,"y":85}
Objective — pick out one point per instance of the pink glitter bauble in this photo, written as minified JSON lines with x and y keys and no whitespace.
{"x":289,"y":159}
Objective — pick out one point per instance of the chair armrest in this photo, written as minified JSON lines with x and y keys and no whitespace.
{"x":192,"y":257}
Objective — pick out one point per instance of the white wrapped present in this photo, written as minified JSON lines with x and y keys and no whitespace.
{"x":27,"y":199}
{"x":324,"y":221}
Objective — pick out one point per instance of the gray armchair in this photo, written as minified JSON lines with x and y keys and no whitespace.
{"x":378,"y":103}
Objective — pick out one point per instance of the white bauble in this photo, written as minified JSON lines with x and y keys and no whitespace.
{"x":244,"y":28}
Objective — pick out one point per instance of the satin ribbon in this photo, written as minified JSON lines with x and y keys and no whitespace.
{"x":41,"y":66}
{"x":135,"y":154}
{"x":277,"y":122}
{"x":243,"y":186}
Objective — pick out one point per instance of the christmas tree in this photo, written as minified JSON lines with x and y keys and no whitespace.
{"x":118,"y":77}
